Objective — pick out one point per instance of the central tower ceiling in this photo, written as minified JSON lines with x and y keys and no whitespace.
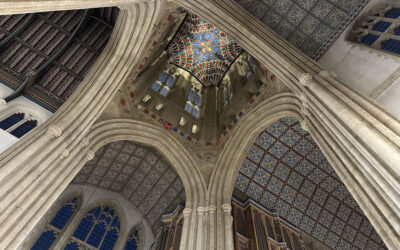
{"x":203,"y":50}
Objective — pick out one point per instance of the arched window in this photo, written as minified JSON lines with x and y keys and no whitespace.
{"x":99,"y":228}
{"x":379,"y":29}
{"x":54,"y":229}
{"x":136,"y":238}
{"x":18,"y":124}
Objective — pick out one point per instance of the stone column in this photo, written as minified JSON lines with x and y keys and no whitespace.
{"x":360,"y":139}
{"x":35,"y":171}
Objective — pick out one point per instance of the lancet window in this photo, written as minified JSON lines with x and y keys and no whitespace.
{"x":55,"y":228}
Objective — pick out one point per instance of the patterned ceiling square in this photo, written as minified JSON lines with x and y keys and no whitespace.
{"x":139,"y":174}
{"x":326,"y":18}
{"x":286,"y":171}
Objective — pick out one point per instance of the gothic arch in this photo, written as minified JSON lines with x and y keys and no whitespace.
{"x":139,"y":227}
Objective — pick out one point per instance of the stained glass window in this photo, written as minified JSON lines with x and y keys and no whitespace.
{"x":379,"y":30}
{"x":99,"y":228}
{"x":134,"y":239}
{"x":11,"y":121}
{"x":54,"y":228}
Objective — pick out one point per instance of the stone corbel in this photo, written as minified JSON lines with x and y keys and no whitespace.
{"x":54,"y":131}
{"x":305,"y":79}
{"x":84,"y":142}
{"x":89,"y":155}
{"x":186,"y":212}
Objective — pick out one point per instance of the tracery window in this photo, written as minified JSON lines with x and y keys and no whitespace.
{"x":99,"y":228}
{"x":136,"y":239}
{"x":379,"y":29}
{"x":164,"y":83}
{"x":18,"y":124}
{"x":54,"y":229}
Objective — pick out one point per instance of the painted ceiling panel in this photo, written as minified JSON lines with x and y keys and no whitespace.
{"x":310,"y":25}
{"x":203,"y":50}
{"x":285,"y":171}
{"x":139,"y":174}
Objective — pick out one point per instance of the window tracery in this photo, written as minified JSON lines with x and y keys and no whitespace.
{"x":18,"y":124}
{"x":54,"y":229}
{"x":136,"y":238}
{"x":379,"y":29}
{"x":98,"y":229}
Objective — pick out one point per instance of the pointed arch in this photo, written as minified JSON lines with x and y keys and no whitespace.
{"x":136,"y":238}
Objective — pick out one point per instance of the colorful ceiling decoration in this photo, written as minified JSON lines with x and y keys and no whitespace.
{"x":310,"y":25}
{"x":140,"y":174}
{"x":285,"y":171}
{"x":203,"y":50}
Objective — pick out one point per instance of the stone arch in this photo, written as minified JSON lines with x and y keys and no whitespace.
{"x":142,"y":235}
{"x":180,"y":159}
{"x":237,"y":147}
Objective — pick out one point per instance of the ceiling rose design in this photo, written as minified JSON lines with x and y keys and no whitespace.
{"x":203,"y":50}
{"x":285,"y":171}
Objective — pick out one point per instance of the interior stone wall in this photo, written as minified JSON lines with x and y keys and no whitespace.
{"x":363,"y":69}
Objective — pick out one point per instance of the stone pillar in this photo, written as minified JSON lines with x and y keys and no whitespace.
{"x":227,"y":208}
{"x":35,"y":171}
{"x":360,"y":139}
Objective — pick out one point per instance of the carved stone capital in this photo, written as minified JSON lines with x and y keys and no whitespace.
{"x":227,"y":208}
{"x":212,"y":209}
{"x":305,"y":79}
{"x":325,"y":74}
{"x":84,"y":142}
{"x":89,"y":155}
{"x":201,"y":210}
{"x":304,"y":104}
{"x":64,"y":153}
{"x":54,"y":130}
{"x":304,"y":125}
{"x":187,"y":211}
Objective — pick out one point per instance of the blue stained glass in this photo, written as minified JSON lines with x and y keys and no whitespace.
{"x":216,"y":49}
{"x":156,"y":86}
{"x":188,"y":107}
{"x":131,"y":245}
{"x":204,"y":57}
{"x":391,"y":45}
{"x":24,"y":128}
{"x":369,"y":39}
{"x":112,"y":212}
{"x":72,"y":246}
{"x":97,"y":234}
{"x":198,"y":100}
{"x":109,"y":240}
{"x":200,"y":37}
{"x":102,"y":216}
{"x":83,"y":228}
{"x":163,"y":76}
{"x":381,"y":26}
{"x":192,"y":95}
{"x":164,"y":91}
{"x":215,"y":41}
{"x":216,"y":31}
{"x":45,"y":240}
{"x":11,"y":121}
{"x":196,"y":112}
{"x":114,"y":223}
{"x":62,"y":217}
{"x":211,"y":55}
{"x":208,"y":35}
{"x":196,"y":43}
{"x":393,"y":13}
{"x":170,"y":81}
{"x":197,"y":52}
{"x":108,"y":220}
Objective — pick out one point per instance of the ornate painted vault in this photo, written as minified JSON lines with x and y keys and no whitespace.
{"x":203,"y":50}
{"x":310,"y":25}
{"x":286,"y":172}
{"x":139,"y":174}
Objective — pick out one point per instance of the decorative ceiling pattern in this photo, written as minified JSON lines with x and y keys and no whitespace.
{"x":202,"y":50}
{"x":285,"y":171}
{"x":139,"y":174}
{"x":310,"y":25}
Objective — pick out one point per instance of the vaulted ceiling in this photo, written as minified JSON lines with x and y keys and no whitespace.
{"x":310,"y":25}
{"x":285,"y":171}
{"x":139,"y":174}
